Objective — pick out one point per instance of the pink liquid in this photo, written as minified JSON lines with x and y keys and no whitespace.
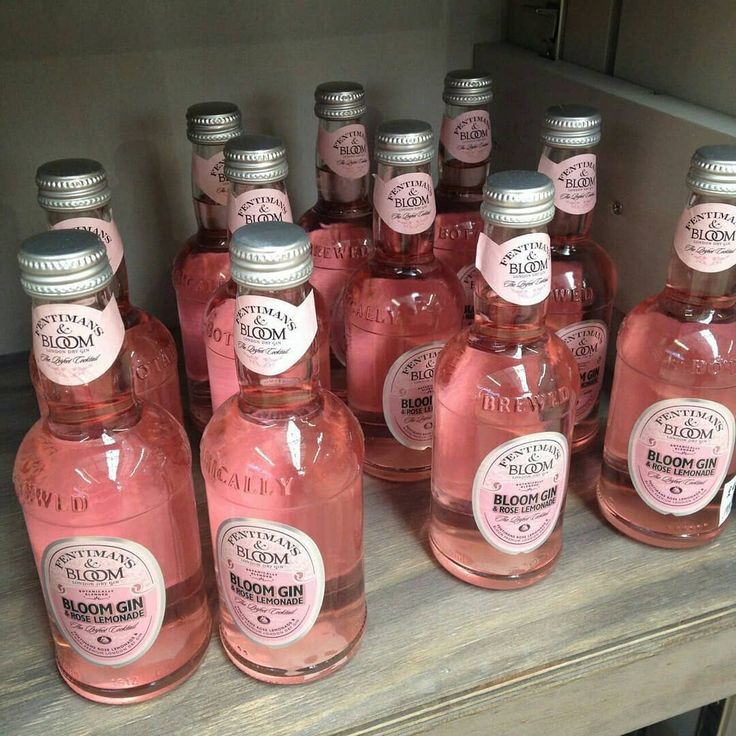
{"x":199,"y":269}
{"x":506,"y":376}
{"x":286,"y":452}
{"x":103,"y":465}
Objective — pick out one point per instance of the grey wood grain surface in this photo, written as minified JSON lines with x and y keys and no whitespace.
{"x":618,"y":636}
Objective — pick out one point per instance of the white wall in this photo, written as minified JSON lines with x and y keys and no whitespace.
{"x":111,"y":80}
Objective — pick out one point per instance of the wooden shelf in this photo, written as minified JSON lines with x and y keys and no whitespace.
{"x":620,"y":635}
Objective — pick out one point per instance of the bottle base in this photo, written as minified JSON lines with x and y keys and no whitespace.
{"x":396,"y":474}
{"x":585,"y":438}
{"x":275,"y":676}
{"x":387,"y":459}
{"x":653,"y":538}
{"x":140,"y":694}
{"x":489,"y":581}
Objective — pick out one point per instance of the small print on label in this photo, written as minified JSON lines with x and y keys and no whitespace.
{"x":574,"y":180}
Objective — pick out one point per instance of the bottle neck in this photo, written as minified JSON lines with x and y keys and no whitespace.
{"x":209,"y":193}
{"x":343,"y":167}
{"x":108,"y":232}
{"x":496,"y":316}
{"x":102,"y":403}
{"x":273,"y":322}
{"x":464,"y":152}
{"x":242,"y":210}
{"x":403,"y":195}
{"x":575,"y":189}
{"x":703,"y":261}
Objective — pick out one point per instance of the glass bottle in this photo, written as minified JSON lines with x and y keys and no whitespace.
{"x":105,"y":484}
{"x":464,"y":156}
{"x":256,"y":169}
{"x":75,"y":195}
{"x":668,"y":475}
{"x":583,"y":274}
{"x":400,"y":309}
{"x":340,"y":223}
{"x":203,"y":264}
{"x":282,"y":462}
{"x":505,"y":392}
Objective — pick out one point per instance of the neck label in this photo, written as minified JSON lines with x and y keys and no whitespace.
{"x":345,"y":150}
{"x":575,"y":182}
{"x":406,"y":202}
{"x":74,"y":345}
{"x":106,"y":231}
{"x":272,"y":578}
{"x":467,"y":137}
{"x":258,"y":205}
{"x":106,"y":595}
{"x":705,"y":239}
{"x":518,"y":270}
{"x":208,"y":175}
{"x":679,"y":453}
{"x":518,"y":491}
{"x":271,"y":335}
{"x":407,"y":396}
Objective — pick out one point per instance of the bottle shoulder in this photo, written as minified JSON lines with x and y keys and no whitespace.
{"x":583,"y":272}
{"x":198,"y":267}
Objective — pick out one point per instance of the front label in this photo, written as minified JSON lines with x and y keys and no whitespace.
{"x":106,"y":595}
{"x":727,"y":501}
{"x":74,"y":344}
{"x":467,"y":137}
{"x":587,"y":342}
{"x":258,"y":205}
{"x":272,"y":578}
{"x":518,"y":270}
{"x":705,"y":239}
{"x":208,"y":175}
{"x":519,"y":490}
{"x":406,"y":202}
{"x":272,"y":335}
{"x":679,"y":454}
{"x":345,"y":150}
{"x":575,"y":182}
{"x":221,"y":367}
{"x":106,"y":231}
{"x":407,"y":396}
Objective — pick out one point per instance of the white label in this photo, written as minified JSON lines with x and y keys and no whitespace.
{"x":518,"y":270}
{"x":679,"y":453}
{"x":272,"y":578}
{"x":407,"y":396}
{"x":106,"y":231}
{"x":73,"y":344}
{"x":258,"y":205}
{"x":587,"y":341}
{"x":575,"y":182}
{"x":345,"y":150}
{"x":106,"y":595}
{"x":727,"y":501}
{"x":467,"y":137}
{"x":705,"y":239}
{"x":272,"y":335}
{"x":519,"y":491}
{"x":406,"y":202}
{"x":208,"y":174}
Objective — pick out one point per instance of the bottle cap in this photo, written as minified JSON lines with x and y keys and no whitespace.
{"x":270,"y":255}
{"x":339,"y":100}
{"x":404,"y":143}
{"x":213,"y":123}
{"x":468,"y":88}
{"x":72,"y":184}
{"x":713,"y":170}
{"x":255,"y":159}
{"x":571,"y":126}
{"x":518,"y":199}
{"x":59,"y":264}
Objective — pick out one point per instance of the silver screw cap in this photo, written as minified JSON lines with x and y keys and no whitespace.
{"x":213,"y":123}
{"x":518,"y":199}
{"x":72,"y":184}
{"x":255,"y":159}
{"x":571,"y":126}
{"x":59,"y":264}
{"x":468,"y":88}
{"x":270,"y":255}
{"x":404,"y":143}
{"x":339,"y":100}
{"x":713,"y":170}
